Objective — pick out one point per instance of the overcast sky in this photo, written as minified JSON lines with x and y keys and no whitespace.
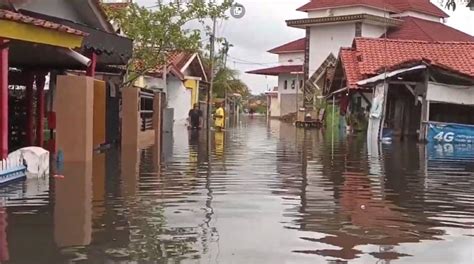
{"x":263,"y":27}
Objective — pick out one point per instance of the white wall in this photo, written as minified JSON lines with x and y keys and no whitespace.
{"x":342,"y":11}
{"x":296,"y":58}
{"x":325,"y":39}
{"x":372,"y":31}
{"x":289,"y":78}
{"x":179,"y":98}
{"x":418,"y":15}
{"x":154,"y":83}
{"x":274,"y":106}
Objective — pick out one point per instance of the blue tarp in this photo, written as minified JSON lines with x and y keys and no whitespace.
{"x":450,"y":133}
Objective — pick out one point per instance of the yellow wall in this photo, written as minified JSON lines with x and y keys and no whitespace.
{"x":35,"y":34}
{"x":194,"y":86}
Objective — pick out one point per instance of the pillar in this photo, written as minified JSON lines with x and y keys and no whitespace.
{"x":3,"y":99}
{"x":29,"y":108}
{"x":130,"y":117}
{"x":74,"y":103}
{"x":91,"y":69}
{"x":40,"y":81}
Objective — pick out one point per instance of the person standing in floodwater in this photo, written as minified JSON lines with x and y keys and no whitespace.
{"x":195,"y":117}
{"x":219,"y":117}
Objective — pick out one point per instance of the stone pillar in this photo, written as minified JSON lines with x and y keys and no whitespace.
{"x":74,"y":103}
{"x":72,"y":205}
{"x":157,"y":126}
{"x":130,"y":117}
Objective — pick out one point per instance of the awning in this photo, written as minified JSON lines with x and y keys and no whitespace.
{"x":19,"y":27}
{"x":113,"y":49}
{"x":383,"y":76}
{"x":289,"y":69}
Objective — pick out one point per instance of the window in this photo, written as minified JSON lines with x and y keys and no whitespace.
{"x":301,"y":84}
{"x":285,"y":85}
{"x":293,"y":84}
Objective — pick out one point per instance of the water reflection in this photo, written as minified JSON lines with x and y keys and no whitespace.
{"x":264,"y":192}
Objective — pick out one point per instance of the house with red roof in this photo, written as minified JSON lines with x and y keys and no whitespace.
{"x":333,"y":24}
{"x":183,"y":84}
{"x":414,"y":87}
{"x":290,"y":77}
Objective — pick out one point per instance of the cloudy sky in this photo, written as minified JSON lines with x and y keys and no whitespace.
{"x":263,"y":27}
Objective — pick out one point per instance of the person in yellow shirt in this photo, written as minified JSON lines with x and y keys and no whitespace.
{"x":219,"y":117}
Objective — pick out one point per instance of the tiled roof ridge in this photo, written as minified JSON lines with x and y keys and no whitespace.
{"x":415,"y":21}
{"x":38,"y":22}
{"x":413,"y":41}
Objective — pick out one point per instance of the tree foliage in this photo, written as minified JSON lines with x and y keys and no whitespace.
{"x":228,"y":80}
{"x":161,"y":30}
{"x":225,"y":79}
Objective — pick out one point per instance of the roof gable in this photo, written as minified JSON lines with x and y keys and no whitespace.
{"x":179,"y":61}
{"x":421,"y":29}
{"x":298,"y":45}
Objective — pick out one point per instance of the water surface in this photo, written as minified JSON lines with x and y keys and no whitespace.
{"x":264,"y":192}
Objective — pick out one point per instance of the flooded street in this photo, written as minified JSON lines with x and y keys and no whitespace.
{"x":266,"y":193}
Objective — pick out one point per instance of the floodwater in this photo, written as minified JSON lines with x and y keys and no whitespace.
{"x":265,"y":192}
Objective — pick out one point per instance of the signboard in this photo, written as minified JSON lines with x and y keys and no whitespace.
{"x":450,"y":133}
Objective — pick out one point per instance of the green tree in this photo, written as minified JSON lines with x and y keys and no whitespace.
{"x":228,"y":80}
{"x":161,"y":30}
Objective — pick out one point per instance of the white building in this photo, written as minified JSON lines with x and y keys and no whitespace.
{"x":332,"y":24}
{"x":290,"y":77}
{"x":184,"y":80}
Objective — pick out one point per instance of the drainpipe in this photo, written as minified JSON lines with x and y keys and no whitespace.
{"x":77,"y":57}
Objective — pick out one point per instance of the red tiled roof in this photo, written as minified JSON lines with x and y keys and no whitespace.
{"x":350,"y":65}
{"x":17,"y":17}
{"x":176,"y":61}
{"x":179,"y":59}
{"x":394,"y":6}
{"x":421,"y":29}
{"x":298,"y":45}
{"x":422,"y":6}
{"x":323,"y":4}
{"x":278,"y":70}
{"x":368,"y":56}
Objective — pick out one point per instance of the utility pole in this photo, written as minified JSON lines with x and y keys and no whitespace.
{"x":211,"y":79}
{"x":225,"y":53}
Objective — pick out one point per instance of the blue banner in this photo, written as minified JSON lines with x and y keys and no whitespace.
{"x":450,"y":133}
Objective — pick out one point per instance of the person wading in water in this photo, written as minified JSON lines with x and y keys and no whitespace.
{"x":195,"y":117}
{"x":219,"y":117}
